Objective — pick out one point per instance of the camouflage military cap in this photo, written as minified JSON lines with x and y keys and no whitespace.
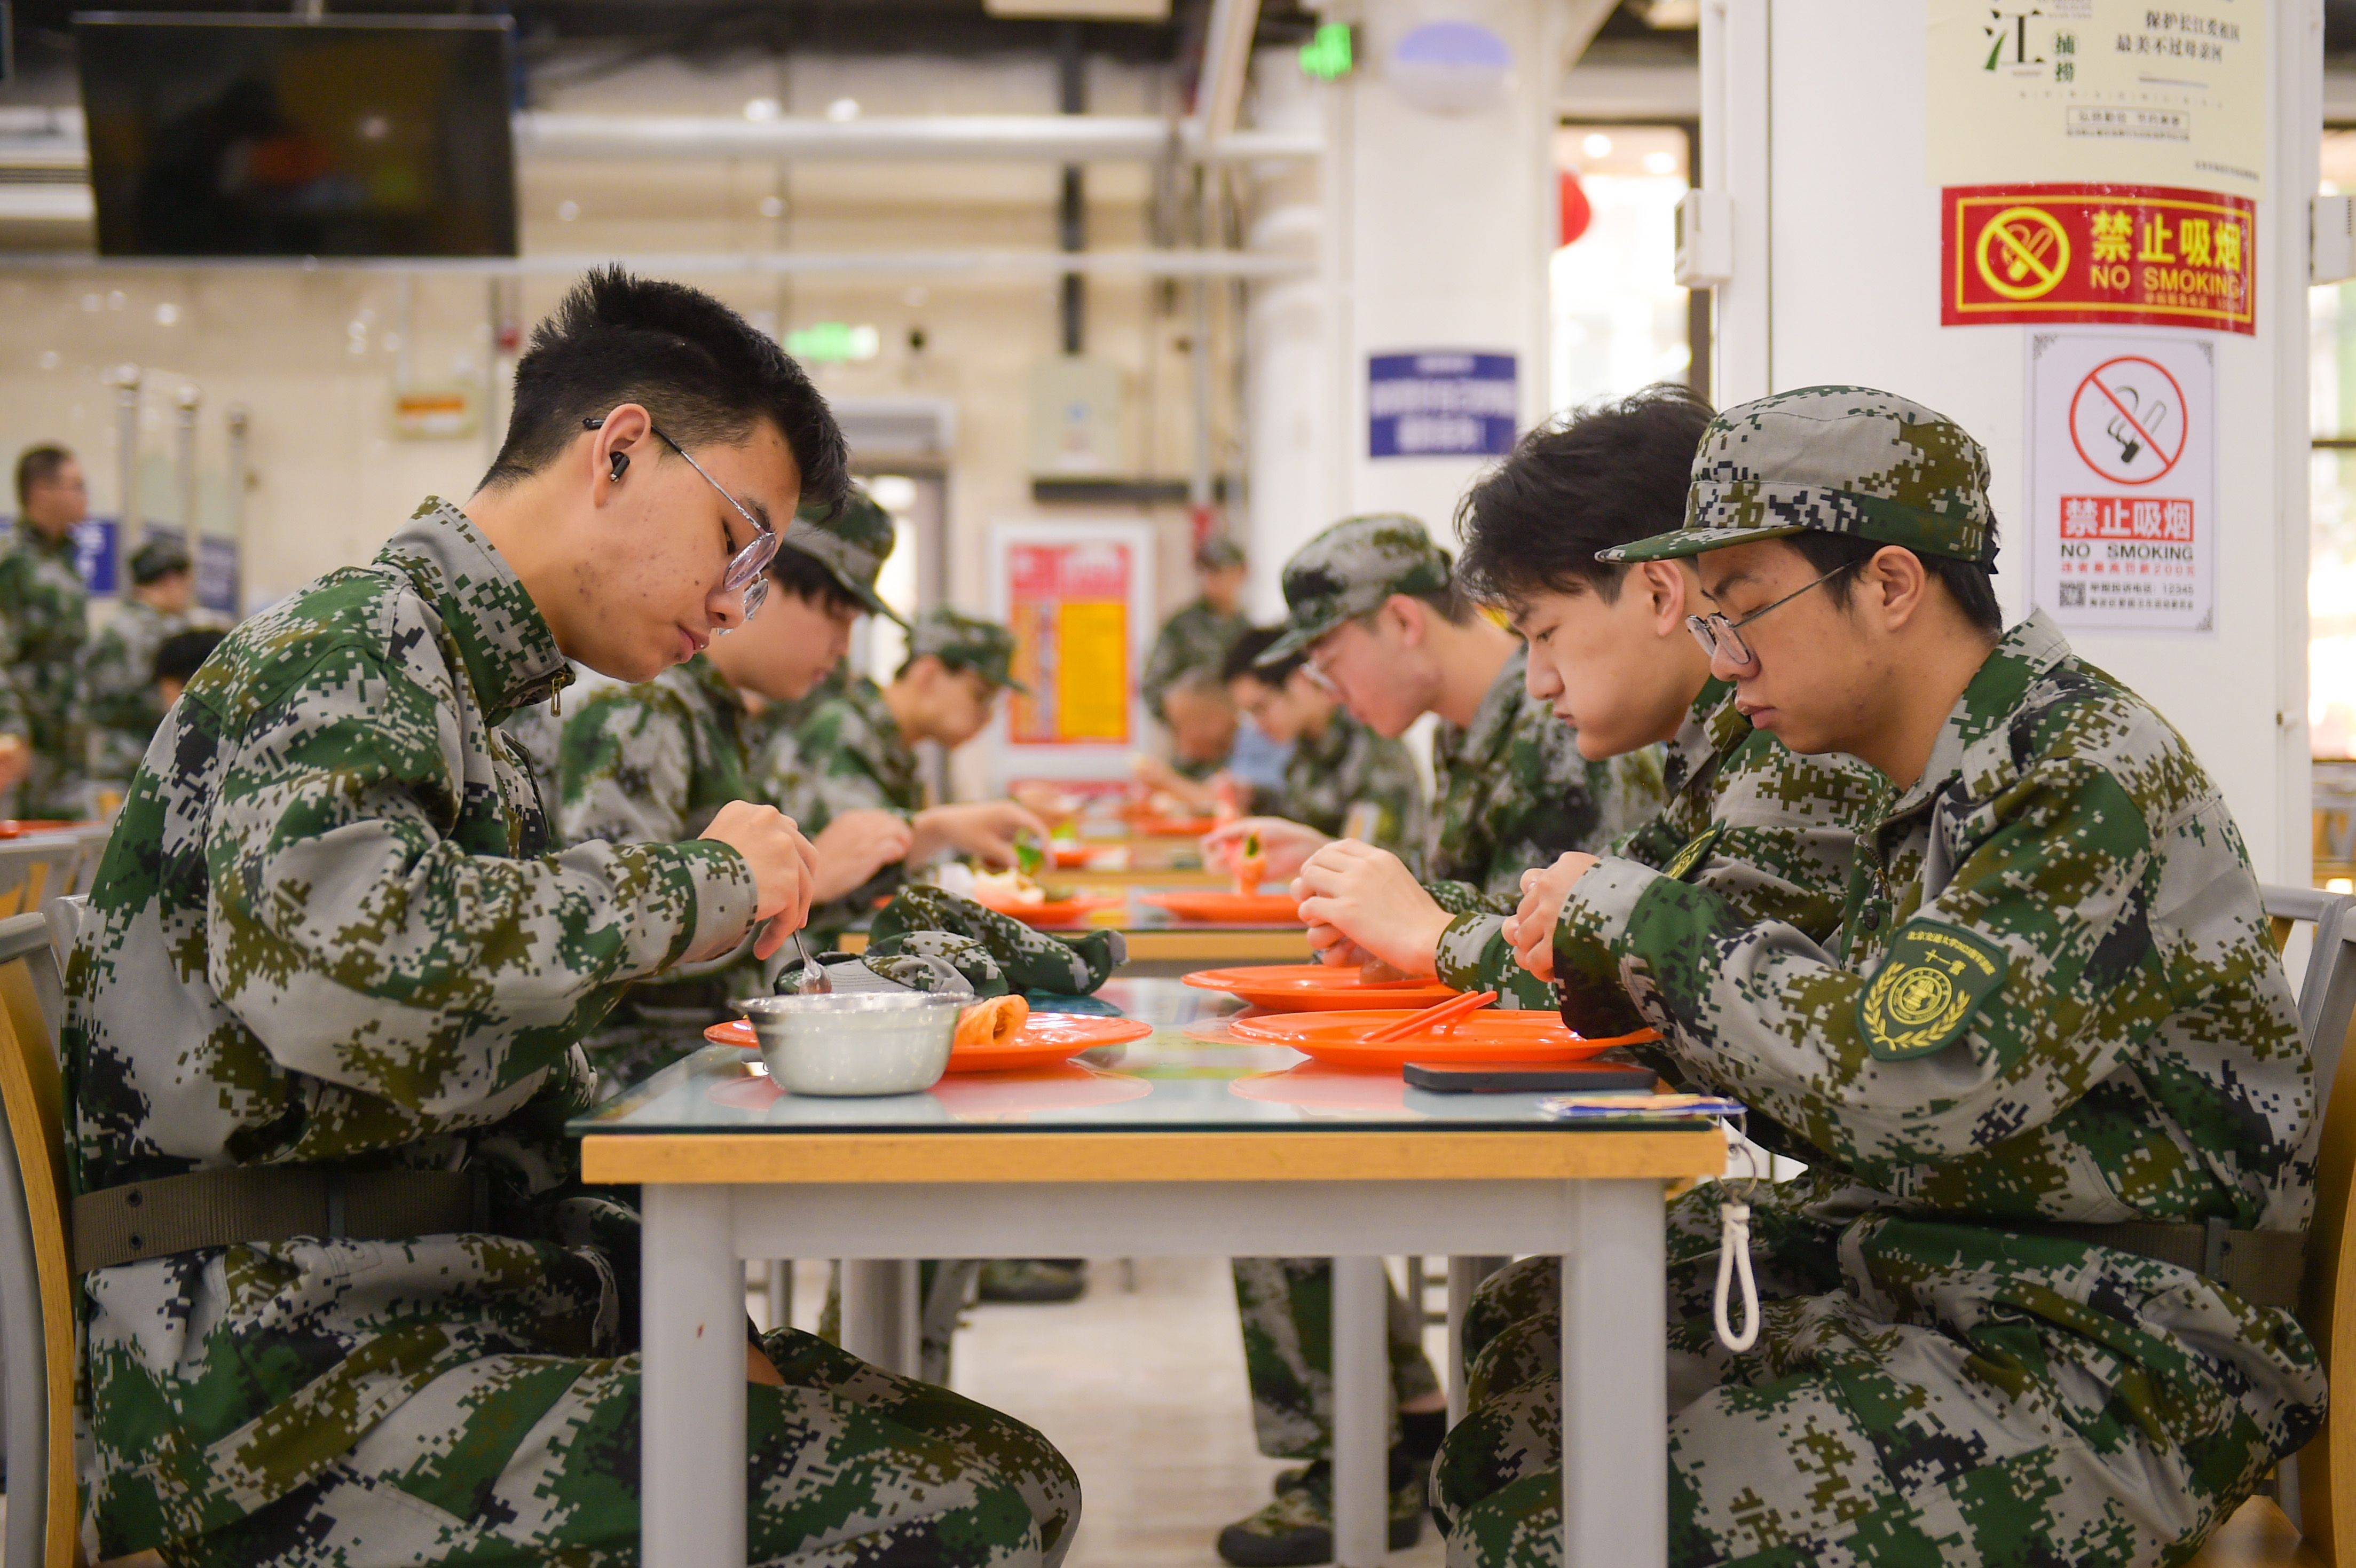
{"x":966,"y":642}
{"x":1218,"y":553}
{"x":1839,"y":460}
{"x":1348,"y":570}
{"x":156,"y":560}
{"x":852,"y":541}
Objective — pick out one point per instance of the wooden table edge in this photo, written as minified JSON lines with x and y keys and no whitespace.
{"x":899,"y":1158}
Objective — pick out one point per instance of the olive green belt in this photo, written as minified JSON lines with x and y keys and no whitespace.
{"x":270,"y":1203}
{"x":2262,"y":1267}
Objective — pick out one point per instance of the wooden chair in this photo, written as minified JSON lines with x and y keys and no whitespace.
{"x":2319,"y":1482}
{"x":38,"y":867}
{"x":37,"y":1285}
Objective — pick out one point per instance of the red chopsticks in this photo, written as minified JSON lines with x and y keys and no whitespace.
{"x":1447,"y":1012}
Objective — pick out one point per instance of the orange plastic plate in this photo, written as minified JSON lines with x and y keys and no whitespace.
{"x":1175,"y":827}
{"x":1317,"y":987}
{"x":1339,"y":1039}
{"x":1045,"y":1039}
{"x":1228,"y":909}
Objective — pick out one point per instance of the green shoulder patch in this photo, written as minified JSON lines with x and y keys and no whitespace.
{"x":1926,"y":989}
{"x":1691,"y":858}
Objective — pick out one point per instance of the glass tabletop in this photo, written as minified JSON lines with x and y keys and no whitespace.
{"x":1189,"y":1075}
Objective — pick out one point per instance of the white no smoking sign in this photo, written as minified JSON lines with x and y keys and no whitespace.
{"x":2122,"y":454}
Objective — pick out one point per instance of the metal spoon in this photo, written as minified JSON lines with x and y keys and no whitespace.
{"x":813,"y":982}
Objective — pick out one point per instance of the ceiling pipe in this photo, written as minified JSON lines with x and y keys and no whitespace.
{"x":55,"y":136}
{"x":973,"y":265}
{"x":1226,"y":61}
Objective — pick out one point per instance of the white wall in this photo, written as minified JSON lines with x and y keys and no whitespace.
{"x":1854,"y":274}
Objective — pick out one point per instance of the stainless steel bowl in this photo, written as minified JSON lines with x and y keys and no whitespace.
{"x":870,"y":1043}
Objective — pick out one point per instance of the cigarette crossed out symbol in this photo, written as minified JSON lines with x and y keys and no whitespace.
{"x":2023,"y":252}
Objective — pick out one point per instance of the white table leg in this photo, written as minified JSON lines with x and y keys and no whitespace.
{"x":693,"y":1451}
{"x":1615,"y":1387}
{"x":1362,"y":1415}
{"x":872,"y":1311}
{"x":781,"y":1293}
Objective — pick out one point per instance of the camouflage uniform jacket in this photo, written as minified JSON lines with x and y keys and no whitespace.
{"x":1351,"y":781}
{"x":1772,"y":832}
{"x":1196,"y":638}
{"x":849,"y":755}
{"x":1511,"y":791}
{"x":330,"y":934}
{"x":650,"y":763}
{"x":2052,"y":995}
{"x":115,"y":699}
{"x":537,"y":731}
{"x":44,"y":618}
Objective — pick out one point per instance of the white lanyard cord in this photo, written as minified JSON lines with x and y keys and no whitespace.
{"x":1734,"y":1258}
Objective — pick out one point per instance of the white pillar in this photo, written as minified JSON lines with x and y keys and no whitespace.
{"x":1825,"y":119}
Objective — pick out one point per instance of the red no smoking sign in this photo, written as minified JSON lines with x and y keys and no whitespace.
{"x":2128,"y":420}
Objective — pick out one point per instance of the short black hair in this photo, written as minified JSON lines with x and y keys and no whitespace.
{"x":1969,"y":583}
{"x":703,"y":372}
{"x":1606,"y":474}
{"x":807,"y":580}
{"x":1243,"y":659}
{"x":179,"y":656}
{"x":38,"y":465}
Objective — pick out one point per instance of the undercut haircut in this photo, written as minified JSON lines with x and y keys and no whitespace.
{"x":38,"y":465}
{"x":1969,"y":583}
{"x":1243,"y":659}
{"x":707,"y":375}
{"x":809,"y":581}
{"x":1603,"y":474}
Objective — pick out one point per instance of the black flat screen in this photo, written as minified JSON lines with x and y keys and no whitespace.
{"x":214,"y":135}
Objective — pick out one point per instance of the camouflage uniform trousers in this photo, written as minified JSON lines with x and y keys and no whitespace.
{"x":1287,"y":1308}
{"x":531,"y":1458}
{"x":1922,"y":1393}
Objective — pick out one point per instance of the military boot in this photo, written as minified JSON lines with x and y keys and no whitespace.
{"x":1297,"y":1526}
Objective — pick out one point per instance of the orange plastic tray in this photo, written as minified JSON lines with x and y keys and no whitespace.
{"x":1045,"y":1039}
{"x":1056,"y":911}
{"x":1339,"y":1039}
{"x":17,"y":827}
{"x":1229,"y":908}
{"x":1174,"y":827}
{"x":1317,"y":987}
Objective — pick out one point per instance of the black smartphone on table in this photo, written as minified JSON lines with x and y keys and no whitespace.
{"x":1515,"y":1077}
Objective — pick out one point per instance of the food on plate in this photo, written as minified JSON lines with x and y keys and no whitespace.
{"x":991,"y":1024}
{"x":1006,"y":889}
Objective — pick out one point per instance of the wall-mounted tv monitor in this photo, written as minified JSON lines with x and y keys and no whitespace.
{"x":241,"y":135}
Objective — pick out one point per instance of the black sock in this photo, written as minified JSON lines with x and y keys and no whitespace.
{"x":1421,"y":1430}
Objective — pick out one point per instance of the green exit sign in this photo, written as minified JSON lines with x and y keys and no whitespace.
{"x":833,"y":342}
{"x":1329,"y":54}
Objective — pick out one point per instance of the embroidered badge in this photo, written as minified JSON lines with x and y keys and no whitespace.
{"x":1692,"y":857}
{"x":1925,"y":993}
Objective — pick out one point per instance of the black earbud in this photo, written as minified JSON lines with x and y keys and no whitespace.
{"x":621,"y":461}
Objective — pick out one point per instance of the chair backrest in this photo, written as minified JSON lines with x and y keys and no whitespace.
{"x":2326,"y":1004}
{"x":39,"y":867}
{"x":37,"y":1285}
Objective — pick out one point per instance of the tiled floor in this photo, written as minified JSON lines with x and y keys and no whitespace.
{"x":1144,"y":1391}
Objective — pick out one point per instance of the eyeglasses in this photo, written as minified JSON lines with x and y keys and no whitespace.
{"x":746,"y":569}
{"x":1720,"y":637}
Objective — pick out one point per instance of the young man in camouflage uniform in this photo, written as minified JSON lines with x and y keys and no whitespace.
{"x":650,"y":763}
{"x":1198,"y":637}
{"x":857,"y":752}
{"x":114,"y":696}
{"x":329,"y":955}
{"x":1341,"y":777}
{"x":2030,"y":1303}
{"x":1376,"y":613}
{"x":44,"y":618}
{"x":1611,"y":654}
